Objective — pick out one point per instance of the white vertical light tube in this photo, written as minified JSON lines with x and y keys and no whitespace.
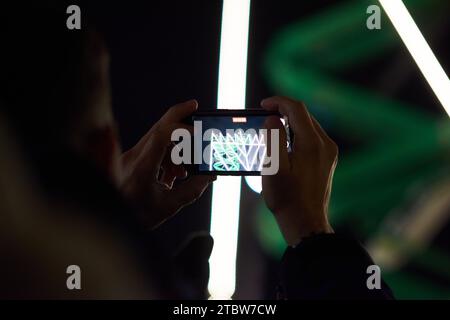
{"x":227,"y":190}
{"x":419,"y":49}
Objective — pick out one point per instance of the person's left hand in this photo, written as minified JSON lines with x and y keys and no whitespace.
{"x":149,"y":174}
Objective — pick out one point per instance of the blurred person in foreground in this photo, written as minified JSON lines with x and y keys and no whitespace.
{"x":55,"y":95}
{"x":55,"y":89}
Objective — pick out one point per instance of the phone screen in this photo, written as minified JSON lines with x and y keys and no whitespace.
{"x":232,"y":142}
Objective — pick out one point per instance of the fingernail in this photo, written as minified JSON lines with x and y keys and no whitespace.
{"x":265,"y":100}
{"x":194,"y":102}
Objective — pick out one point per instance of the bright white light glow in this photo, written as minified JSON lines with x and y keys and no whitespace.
{"x":224,"y":229}
{"x":227,"y":190}
{"x":419,"y":49}
{"x":255,"y":183}
{"x":233,"y":54}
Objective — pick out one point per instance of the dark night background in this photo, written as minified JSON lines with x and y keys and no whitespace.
{"x":165,"y":52}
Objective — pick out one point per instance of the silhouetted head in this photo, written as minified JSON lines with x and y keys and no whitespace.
{"x":54,"y":85}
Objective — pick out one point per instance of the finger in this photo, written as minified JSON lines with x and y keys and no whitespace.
{"x":191,"y":189}
{"x":178,"y":112}
{"x":157,"y":146}
{"x":299,"y":119}
{"x":166,"y":179}
{"x":177,"y":171}
{"x":137,"y":149}
{"x":170,"y":172}
{"x":175,"y":114}
{"x":274,"y":123}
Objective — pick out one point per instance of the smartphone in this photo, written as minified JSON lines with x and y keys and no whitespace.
{"x":230,"y":142}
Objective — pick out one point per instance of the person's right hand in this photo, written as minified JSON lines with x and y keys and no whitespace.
{"x":299,"y":193}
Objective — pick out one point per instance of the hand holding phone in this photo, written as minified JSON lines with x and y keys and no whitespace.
{"x":298,"y":195}
{"x":149,"y":177}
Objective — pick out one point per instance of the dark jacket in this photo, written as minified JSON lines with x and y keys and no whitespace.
{"x":328,"y":266}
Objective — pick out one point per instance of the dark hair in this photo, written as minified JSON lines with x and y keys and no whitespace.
{"x":42,"y":70}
